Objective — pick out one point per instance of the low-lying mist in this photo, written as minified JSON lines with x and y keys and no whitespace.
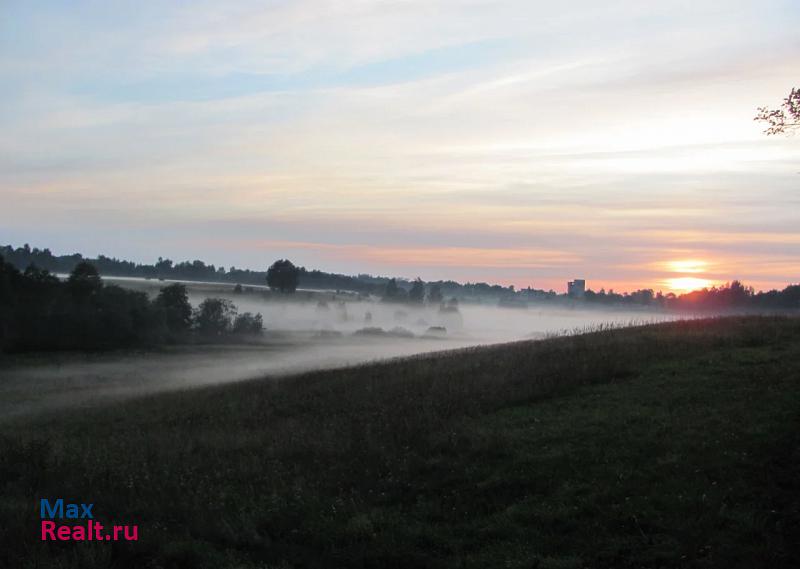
{"x":305,"y":331}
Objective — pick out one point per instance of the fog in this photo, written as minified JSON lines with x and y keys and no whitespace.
{"x":309,"y":331}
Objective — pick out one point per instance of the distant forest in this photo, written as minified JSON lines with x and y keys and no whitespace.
{"x":23,"y":257}
{"x":732,"y":296}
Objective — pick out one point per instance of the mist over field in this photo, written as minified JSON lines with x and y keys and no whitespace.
{"x":347,"y":313}
{"x":315,"y":330}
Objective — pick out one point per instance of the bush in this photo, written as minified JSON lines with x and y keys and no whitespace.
{"x":248,"y":324}
{"x":214,"y":317}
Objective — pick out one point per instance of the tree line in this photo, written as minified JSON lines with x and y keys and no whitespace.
{"x":283,"y":276}
{"x":729,"y":296}
{"x":22,"y":257}
{"x":39,"y":311}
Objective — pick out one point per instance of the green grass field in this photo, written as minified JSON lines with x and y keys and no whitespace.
{"x":670,"y":445}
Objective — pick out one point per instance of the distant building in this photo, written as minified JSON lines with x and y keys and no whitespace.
{"x":576,"y":288}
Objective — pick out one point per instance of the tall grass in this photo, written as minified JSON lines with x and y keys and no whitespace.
{"x":366,"y":466}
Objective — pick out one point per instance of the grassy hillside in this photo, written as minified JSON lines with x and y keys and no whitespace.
{"x":661,"y":446}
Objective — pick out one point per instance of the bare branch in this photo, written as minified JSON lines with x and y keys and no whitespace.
{"x":783,"y":120}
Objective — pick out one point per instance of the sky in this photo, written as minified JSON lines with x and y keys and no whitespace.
{"x":519,"y":142}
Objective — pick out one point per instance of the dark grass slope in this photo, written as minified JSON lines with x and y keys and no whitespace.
{"x":671,"y":445}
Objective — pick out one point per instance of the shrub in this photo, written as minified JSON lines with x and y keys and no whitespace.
{"x":248,"y":323}
{"x":214,"y":317}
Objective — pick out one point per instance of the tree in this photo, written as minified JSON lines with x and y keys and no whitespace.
{"x":84,"y":280}
{"x":785,"y":119}
{"x":41,"y":279}
{"x":417,"y":292}
{"x":215,"y":316}
{"x":283,"y":276}
{"x":174,"y":301}
{"x":435,"y":294}
{"x":392,"y":291}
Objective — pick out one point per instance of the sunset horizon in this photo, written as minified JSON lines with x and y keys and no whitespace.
{"x":681,"y":276}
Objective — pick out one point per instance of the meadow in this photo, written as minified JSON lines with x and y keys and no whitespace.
{"x":666,"y":445}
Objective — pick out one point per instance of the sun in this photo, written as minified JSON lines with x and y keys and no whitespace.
{"x":687,"y":284}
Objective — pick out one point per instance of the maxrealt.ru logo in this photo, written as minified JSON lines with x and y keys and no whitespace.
{"x":83,"y":526}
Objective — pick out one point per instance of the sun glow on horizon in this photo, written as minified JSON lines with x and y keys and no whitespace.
{"x":687,"y":284}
